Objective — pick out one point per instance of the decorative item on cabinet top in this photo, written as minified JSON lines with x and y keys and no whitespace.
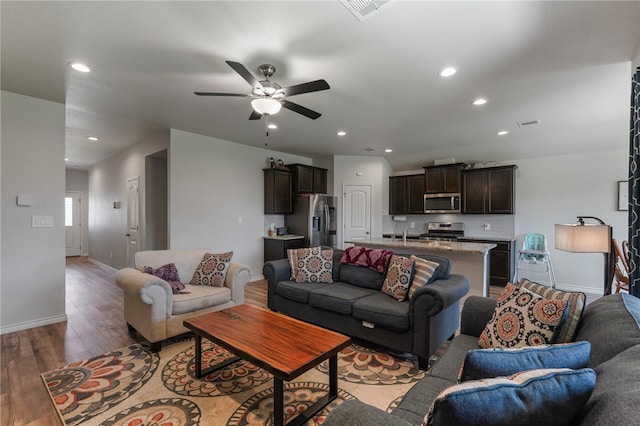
{"x":277,"y":164}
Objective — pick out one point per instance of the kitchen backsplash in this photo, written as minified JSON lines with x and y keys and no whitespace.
{"x":474,"y":225}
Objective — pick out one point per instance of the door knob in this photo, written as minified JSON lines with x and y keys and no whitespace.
{"x":127,"y":235}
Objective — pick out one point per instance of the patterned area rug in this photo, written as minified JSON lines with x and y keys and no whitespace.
{"x":133,"y":386}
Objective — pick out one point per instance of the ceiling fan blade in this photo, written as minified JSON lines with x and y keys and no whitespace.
{"x":300,"y":109}
{"x":245,"y":73}
{"x":312,"y":86}
{"x":255,"y":115}
{"x":240,"y":95}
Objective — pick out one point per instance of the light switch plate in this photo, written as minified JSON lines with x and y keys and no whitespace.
{"x":24,"y":199}
{"x":41,"y":221}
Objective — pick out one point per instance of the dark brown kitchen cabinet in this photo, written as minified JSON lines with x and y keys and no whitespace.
{"x":488,"y":191}
{"x":502,"y":260}
{"x":276,"y":248}
{"x":308,"y":179}
{"x":441,"y":179}
{"x":277,"y":192}
{"x":406,"y":194}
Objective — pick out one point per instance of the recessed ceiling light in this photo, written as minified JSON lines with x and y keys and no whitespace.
{"x":448,"y":72}
{"x":388,"y":150}
{"x":503,"y":132}
{"x":66,"y":159}
{"x":272,"y":126}
{"x":480,"y":101}
{"x":93,"y":138}
{"x":341,"y":133}
{"x":78,"y":66}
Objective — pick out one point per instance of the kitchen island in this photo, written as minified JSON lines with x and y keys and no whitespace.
{"x":468,"y":259}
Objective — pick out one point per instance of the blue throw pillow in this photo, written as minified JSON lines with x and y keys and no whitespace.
{"x":534,"y":397}
{"x":485,"y":363}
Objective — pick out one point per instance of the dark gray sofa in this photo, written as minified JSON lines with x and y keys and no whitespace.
{"x":610,"y":324}
{"x":354,"y":305}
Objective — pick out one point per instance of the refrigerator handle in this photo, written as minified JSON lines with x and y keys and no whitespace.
{"x":327,"y":217}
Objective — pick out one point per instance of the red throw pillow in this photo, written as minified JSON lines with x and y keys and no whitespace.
{"x":169,"y":273}
{"x":376,"y":259}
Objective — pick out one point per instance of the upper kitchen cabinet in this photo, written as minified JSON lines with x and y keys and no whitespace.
{"x":308,"y":179}
{"x":277,"y":192}
{"x":441,"y":179}
{"x":488,"y":191}
{"x":406,"y":194}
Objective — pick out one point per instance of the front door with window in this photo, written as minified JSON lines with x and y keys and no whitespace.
{"x":72,"y":232}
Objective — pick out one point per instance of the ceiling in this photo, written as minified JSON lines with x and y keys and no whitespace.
{"x":566,"y":64}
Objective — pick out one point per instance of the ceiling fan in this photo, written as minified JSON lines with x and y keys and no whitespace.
{"x":268,"y":96}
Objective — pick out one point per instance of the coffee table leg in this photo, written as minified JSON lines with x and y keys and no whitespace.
{"x":278,"y":402}
{"x":198,"y":356}
{"x":333,"y":377}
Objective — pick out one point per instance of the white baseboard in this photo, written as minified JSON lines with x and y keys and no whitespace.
{"x":104,"y":265}
{"x":32,"y":324}
{"x":256,"y":278}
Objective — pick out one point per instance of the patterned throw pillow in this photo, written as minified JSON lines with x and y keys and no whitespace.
{"x":534,"y":397}
{"x":169,"y":273}
{"x":576,"y":301}
{"x":311,"y":265}
{"x":376,"y":259}
{"x":423,"y":271}
{"x":522,"y":318}
{"x":486,"y":363}
{"x":396,"y":283}
{"x":212,"y":269}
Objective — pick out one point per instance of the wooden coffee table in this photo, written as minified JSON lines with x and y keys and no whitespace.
{"x":283,"y":346}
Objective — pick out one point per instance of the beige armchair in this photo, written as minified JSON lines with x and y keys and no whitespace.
{"x":151,"y":308}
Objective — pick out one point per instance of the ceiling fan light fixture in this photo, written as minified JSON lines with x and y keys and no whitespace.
{"x":266,"y":106}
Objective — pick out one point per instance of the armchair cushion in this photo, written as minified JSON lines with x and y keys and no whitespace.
{"x":212,"y":269}
{"x":200,"y":297}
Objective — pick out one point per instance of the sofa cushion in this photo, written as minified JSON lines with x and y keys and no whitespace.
{"x":522,"y":318}
{"x":311,"y":264}
{"x":212,"y":269}
{"x":361,"y":276}
{"x":447,"y":367}
{"x":337,"y":297}
{"x":534,"y":397}
{"x":616,"y":397}
{"x":485,"y":363}
{"x":412,"y":407}
{"x":611,"y":325}
{"x":576,"y":301}
{"x":199,"y":297}
{"x":382,"y":311}
{"x":423,"y":273}
{"x":396,"y":282}
{"x":296,"y":291}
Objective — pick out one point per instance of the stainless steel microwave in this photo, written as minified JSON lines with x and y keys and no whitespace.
{"x":448,"y":202}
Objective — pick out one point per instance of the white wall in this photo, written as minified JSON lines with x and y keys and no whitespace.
{"x":213,"y":183}
{"x":78,"y":181}
{"x":554,"y":190}
{"x":32,"y":287}
{"x":108,"y":183}
{"x":362,"y":170}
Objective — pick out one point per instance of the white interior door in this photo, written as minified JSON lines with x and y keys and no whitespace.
{"x":357,"y":213}
{"x":72,"y":225}
{"x":133,"y":218}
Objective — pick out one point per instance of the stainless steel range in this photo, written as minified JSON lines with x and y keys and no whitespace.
{"x":443,"y":231}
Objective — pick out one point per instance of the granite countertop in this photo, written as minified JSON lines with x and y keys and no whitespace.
{"x":441,"y":246}
{"x":283,"y":237}
{"x":488,"y":238}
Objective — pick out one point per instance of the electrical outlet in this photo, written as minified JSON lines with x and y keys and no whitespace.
{"x":413,"y":224}
{"x":487,"y":227}
{"x":239,"y":219}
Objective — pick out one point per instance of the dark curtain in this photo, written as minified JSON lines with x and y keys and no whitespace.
{"x":634,"y":187}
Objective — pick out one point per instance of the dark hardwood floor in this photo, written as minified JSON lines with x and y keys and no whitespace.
{"x":95,"y":325}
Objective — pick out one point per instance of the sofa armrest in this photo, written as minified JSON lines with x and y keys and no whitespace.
{"x":476,"y":313}
{"x":275,"y":271}
{"x":238,"y":275}
{"x":357,"y":413}
{"x":440,"y":294}
{"x":149,"y":289}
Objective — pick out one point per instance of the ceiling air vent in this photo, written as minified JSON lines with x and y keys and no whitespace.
{"x":528,"y":123}
{"x":364,"y":9}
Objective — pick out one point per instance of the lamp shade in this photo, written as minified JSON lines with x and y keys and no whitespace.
{"x":583,"y":238}
{"x":266,"y":106}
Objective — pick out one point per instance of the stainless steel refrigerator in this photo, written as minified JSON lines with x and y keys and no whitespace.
{"x":314,"y":217}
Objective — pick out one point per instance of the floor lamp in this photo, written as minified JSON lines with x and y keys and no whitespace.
{"x":588,"y":238}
